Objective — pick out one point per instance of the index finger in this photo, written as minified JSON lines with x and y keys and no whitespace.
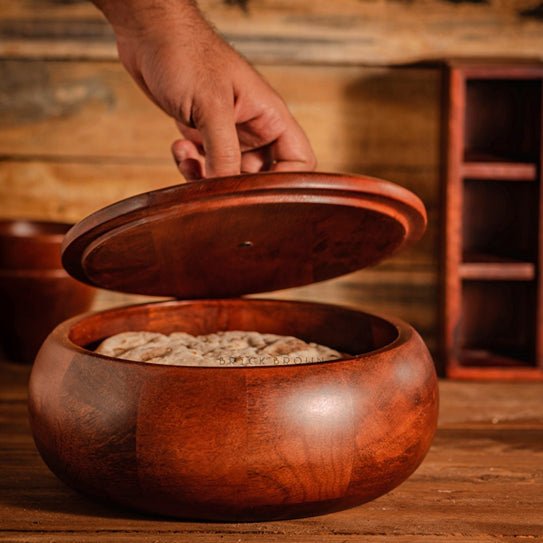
{"x":217,"y":126}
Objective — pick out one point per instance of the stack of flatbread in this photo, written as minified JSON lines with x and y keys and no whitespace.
{"x":231,"y":348}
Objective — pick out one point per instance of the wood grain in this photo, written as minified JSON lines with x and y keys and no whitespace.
{"x":350,"y":31}
{"x":92,"y":112}
{"x":464,"y":497}
{"x":69,"y":191}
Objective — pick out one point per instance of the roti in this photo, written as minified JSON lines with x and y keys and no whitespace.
{"x":230,"y":348}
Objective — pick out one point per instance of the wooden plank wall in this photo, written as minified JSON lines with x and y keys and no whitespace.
{"x":76,"y":133}
{"x":300,"y":31}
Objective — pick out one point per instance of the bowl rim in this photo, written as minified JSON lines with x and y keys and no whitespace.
{"x":404,"y":332}
{"x":37,"y":229}
{"x":35,"y":273}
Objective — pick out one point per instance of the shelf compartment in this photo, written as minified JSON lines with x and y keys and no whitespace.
{"x":502,"y":118}
{"x":501,"y":219}
{"x":495,"y":268}
{"x":497,"y":327}
{"x":487,"y":358}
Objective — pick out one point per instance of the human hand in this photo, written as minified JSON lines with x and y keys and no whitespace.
{"x":233,"y":121}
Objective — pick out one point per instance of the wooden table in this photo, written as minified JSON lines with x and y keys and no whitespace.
{"x":481,"y":481}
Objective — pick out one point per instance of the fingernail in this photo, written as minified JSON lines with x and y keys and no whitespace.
{"x":178,"y":157}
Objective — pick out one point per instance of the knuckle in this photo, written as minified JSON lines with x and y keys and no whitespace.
{"x":185,"y":115}
{"x":272,"y":124}
{"x":226,"y":158}
{"x":213,"y":101}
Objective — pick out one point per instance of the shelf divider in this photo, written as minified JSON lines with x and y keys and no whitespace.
{"x":499,"y":171}
{"x":484,"y":267}
{"x":495,"y":373}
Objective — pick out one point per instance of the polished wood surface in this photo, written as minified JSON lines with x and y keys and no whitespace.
{"x":244,"y":234}
{"x":492,"y":279}
{"x":480,"y":482}
{"x":237,"y":443}
{"x":36,"y":294}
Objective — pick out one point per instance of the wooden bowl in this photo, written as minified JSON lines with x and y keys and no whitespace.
{"x":31,"y":245}
{"x":235,"y":443}
{"x":32,"y":303}
{"x":36,"y":293}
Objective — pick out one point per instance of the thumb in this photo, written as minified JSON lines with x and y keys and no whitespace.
{"x":189,"y":161}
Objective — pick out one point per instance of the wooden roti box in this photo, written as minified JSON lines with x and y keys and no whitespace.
{"x":239,"y":442}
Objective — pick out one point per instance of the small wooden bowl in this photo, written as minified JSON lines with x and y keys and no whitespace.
{"x":36,"y":293}
{"x":31,"y":245}
{"x":235,"y":443}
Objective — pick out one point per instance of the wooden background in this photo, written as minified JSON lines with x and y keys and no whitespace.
{"x":76,"y":134}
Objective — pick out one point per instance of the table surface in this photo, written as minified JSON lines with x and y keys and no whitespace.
{"x":481,"y":481}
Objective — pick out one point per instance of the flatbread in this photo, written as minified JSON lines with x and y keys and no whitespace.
{"x":231,"y":348}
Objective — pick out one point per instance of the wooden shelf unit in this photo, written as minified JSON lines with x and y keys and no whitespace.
{"x":492,"y":296}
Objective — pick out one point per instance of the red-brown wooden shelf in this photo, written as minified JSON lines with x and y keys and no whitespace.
{"x":492,"y":307}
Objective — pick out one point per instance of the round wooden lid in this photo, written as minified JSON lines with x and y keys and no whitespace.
{"x":238,"y":235}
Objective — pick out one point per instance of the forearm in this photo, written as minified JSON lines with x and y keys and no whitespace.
{"x":141,"y":16}
{"x":231,"y":118}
